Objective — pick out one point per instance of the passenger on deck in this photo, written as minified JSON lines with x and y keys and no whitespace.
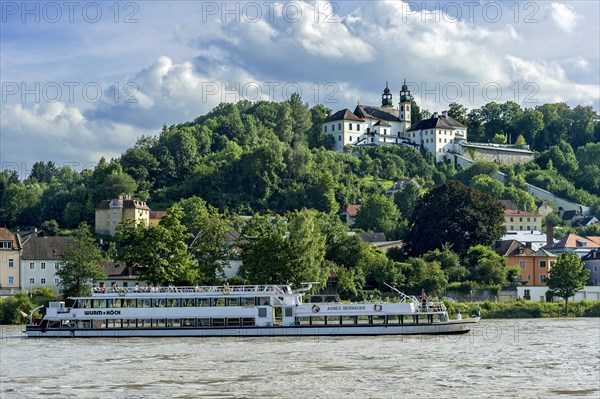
{"x":136,"y":288}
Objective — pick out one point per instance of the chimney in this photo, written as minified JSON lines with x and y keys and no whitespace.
{"x":444,"y":113}
{"x":528,"y":244}
{"x":549,"y":233}
{"x":435,"y":115}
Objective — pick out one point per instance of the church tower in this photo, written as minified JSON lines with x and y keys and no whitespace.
{"x":386,"y":98}
{"x":405,"y":104}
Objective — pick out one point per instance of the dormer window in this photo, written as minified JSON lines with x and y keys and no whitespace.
{"x":5,"y":244}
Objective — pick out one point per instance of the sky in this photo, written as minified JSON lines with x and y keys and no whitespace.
{"x":83,"y":80}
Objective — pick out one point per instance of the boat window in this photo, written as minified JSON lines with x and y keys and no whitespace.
{"x":395,"y":319}
{"x":159,"y":323}
{"x":363,"y":320}
{"x":202,"y":302}
{"x":112,"y":323}
{"x":203,"y":322}
{"x":143,"y":303}
{"x":84,"y":324}
{"x":289,"y":312}
{"x":233,"y":322}
{"x":53,"y":324}
{"x":262,"y":312}
{"x":232,"y":301}
{"x":114,"y":303}
{"x":85,"y":303}
{"x":173,"y":302}
{"x":218,"y":322}
{"x":188,"y":322}
{"x":248,"y":301}
{"x":303,"y":321}
{"x":144,"y":323}
{"x":318,"y":320}
{"x":159,"y":302}
{"x":99,"y":303}
{"x":378,"y":319}
{"x":218,"y":301}
{"x":173,"y":322}
{"x":247,"y":321}
{"x":349,"y":319}
{"x":128,"y":323}
{"x":187,"y":302}
{"x":130,"y":303}
{"x":264,"y":300}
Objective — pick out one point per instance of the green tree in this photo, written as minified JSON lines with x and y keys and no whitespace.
{"x":567,"y":276}
{"x":160,"y":253}
{"x":81,"y":264}
{"x":378,"y":213}
{"x":277,"y":251}
{"x":50,"y":227}
{"x":456,"y":214}
{"x":406,"y":199}
{"x":458,"y":112}
{"x":499,"y":138}
{"x":485,"y":265}
{"x":520,"y":140}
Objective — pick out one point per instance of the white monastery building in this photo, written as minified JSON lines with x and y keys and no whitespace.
{"x":371,"y":125}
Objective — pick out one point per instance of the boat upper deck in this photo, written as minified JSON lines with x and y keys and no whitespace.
{"x":195,"y":291}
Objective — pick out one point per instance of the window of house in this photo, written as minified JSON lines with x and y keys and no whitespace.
{"x":11,"y":280}
{"x":325,"y":129}
{"x":56,"y":266}
{"x":535,"y":219}
{"x":521,"y":228}
{"x":358,"y":127}
{"x":56,"y":281}
{"x":339,"y":126}
{"x":542,"y":263}
{"x":595,"y":269}
{"x":445,"y":140}
{"x":529,"y":219}
{"x":43,"y":266}
{"x":31,"y":265}
{"x":332,"y":128}
{"x":527,"y":292}
{"x":372,"y":139}
{"x":32,"y":281}
{"x":522,"y":264}
{"x":114,"y":211}
{"x":528,"y":227}
{"x":384,"y":131}
{"x":11,"y":263}
{"x":520,"y":219}
{"x":43,"y":281}
{"x":5,"y":244}
{"x":542,"y":278}
{"x":339,"y":138}
{"x":512,"y":219}
{"x":350,"y":138}
{"x":440,"y":140}
{"x":349,"y":126}
{"x":512,"y":227}
{"x":529,"y":277}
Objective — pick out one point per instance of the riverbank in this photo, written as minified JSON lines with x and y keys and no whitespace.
{"x":521,"y":309}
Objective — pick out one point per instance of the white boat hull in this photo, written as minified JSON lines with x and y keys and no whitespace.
{"x":450,"y":327}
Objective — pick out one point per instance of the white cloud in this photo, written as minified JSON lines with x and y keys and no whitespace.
{"x":59,"y":133}
{"x":564,"y":16}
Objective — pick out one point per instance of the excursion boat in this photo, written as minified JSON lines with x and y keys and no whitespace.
{"x":237,"y":311}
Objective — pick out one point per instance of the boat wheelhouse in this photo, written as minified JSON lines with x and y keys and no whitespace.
{"x":237,"y":311}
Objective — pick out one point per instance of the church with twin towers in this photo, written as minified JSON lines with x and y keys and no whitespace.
{"x":385,"y":125}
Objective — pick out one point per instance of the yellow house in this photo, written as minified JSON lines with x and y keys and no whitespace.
{"x":515,"y":220}
{"x":109,"y":214}
{"x":10,"y":260}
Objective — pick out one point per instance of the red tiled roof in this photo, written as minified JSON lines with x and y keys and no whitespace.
{"x":574,"y":241}
{"x":7,"y":235}
{"x":351,"y":210}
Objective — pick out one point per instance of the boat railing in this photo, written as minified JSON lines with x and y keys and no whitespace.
{"x":431,"y":307}
{"x":269,"y":289}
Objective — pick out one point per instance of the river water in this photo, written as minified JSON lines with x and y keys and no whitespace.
{"x":541,"y":358}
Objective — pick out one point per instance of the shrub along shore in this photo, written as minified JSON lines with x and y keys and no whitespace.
{"x":521,"y":309}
